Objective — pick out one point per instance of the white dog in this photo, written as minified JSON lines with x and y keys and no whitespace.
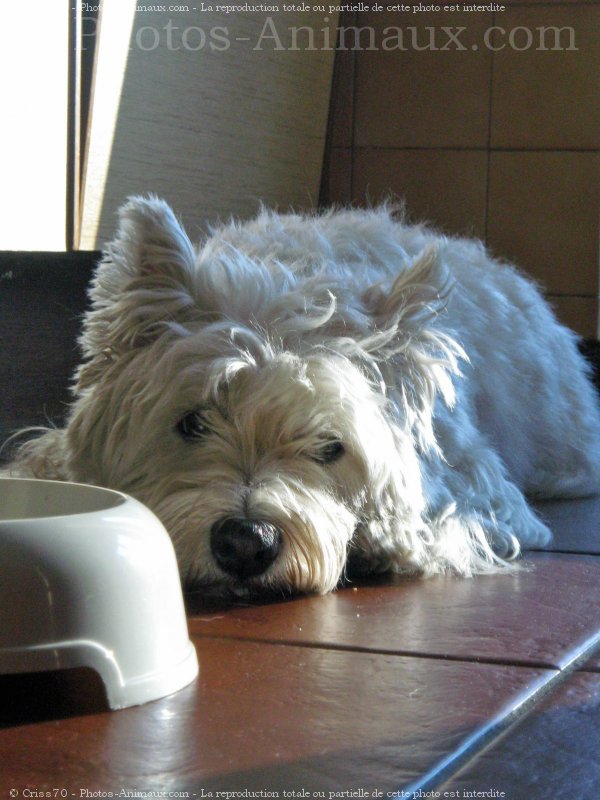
{"x":306,"y":393}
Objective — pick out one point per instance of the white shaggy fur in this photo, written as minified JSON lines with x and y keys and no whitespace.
{"x":442,"y":373}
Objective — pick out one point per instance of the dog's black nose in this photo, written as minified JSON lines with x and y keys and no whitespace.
{"x":244,"y":547}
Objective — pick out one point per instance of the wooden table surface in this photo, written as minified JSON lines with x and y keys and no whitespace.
{"x":381,"y":689}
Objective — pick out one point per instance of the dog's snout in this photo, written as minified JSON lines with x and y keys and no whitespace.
{"x":243,"y":547}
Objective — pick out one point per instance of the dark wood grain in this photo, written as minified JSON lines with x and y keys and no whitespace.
{"x":546,"y":616}
{"x":274,"y":717}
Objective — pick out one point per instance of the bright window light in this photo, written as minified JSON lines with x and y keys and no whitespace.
{"x":112,"y":51}
{"x":33,"y":142}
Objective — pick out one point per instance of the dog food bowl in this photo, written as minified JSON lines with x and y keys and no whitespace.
{"x":88,"y":578}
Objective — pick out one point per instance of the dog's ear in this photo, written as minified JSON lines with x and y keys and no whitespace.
{"x":143,"y":281}
{"x":417,"y":294}
{"x":409,"y":342}
{"x":150,"y":243}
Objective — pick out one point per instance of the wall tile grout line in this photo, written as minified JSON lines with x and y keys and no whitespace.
{"x":469,"y":149}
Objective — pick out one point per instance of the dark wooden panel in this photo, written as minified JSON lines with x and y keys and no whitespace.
{"x":42,"y":297}
{"x":378,"y":174}
{"x":546,"y":616}
{"x":419,"y":93}
{"x":274,"y":717}
{"x":542,"y":187}
{"x":547,"y":103}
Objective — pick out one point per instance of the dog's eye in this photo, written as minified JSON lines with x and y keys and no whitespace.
{"x":329,"y":452}
{"x":192,"y":426}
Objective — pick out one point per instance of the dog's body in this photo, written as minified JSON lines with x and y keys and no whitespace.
{"x":305,"y":391}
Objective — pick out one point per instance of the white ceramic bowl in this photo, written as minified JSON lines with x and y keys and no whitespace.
{"x":88,"y":577}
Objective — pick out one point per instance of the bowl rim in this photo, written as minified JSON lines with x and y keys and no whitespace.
{"x":120,"y":498}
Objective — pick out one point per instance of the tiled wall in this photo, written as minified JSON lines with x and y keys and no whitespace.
{"x":501,"y":143}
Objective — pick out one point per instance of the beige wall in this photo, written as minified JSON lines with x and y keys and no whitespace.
{"x":213,"y":131}
{"x":503,"y":145}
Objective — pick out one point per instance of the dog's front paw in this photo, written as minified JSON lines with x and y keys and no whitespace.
{"x":361,"y":563}
{"x":531,"y":532}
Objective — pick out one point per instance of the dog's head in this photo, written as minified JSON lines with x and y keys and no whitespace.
{"x":245,"y":403}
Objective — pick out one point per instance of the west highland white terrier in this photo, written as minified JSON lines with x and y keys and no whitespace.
{"x":306,"y":394}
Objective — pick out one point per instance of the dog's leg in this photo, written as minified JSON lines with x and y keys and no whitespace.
{"x":470,"y":487}
{"x":528,"y":388}
{"x":568,"y":452}
{"x":42,"y":457}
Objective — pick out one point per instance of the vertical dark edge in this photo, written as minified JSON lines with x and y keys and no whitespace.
{"x":355,"y":20}
{"x":345,"y":18}
{"x":73,"y":145}
{"x":88,"y":37}
{"x":486,"y":218}
{"x":324,"y":189}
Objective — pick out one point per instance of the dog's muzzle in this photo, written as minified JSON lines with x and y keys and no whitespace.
{"x":244,"y":548}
